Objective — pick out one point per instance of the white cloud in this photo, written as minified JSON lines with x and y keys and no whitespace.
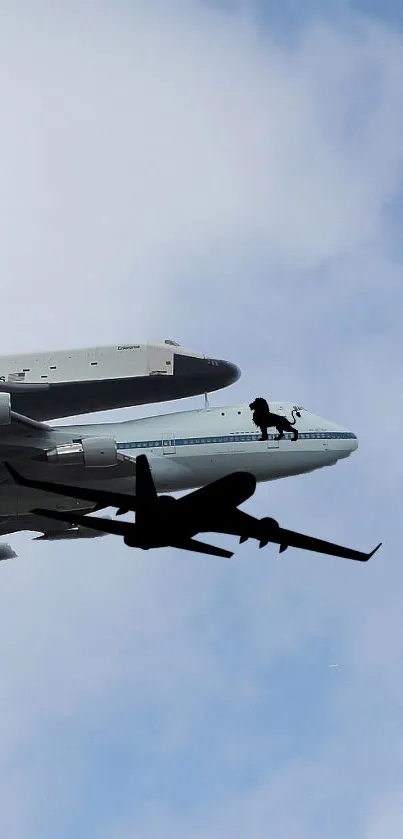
{"x":134,"y":141}
{"x":170,"y":169}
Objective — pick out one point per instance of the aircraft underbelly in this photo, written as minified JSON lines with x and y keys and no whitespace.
{"x":181,"y":472}
{"x":19,"y":501}
{"x":174,"y":473}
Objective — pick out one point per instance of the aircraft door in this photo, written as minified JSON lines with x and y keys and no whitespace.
{"x":168,"y":443}
{"x":273,"y":444}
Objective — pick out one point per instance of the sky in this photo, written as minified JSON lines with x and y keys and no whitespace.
{"x":227,"y":174}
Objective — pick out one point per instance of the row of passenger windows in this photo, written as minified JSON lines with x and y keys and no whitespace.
{"x":144,"y":444}
{"x":234,"y":438}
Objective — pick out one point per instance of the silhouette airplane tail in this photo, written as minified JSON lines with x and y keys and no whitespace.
{"x":146,"y":494}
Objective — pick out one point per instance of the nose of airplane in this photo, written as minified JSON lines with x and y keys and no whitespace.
{"x":342,"y":440}
{"x":204,"y":375}
{"x":353,"y":441}
{"x":336,"y":438}
{"x":345,"y":444}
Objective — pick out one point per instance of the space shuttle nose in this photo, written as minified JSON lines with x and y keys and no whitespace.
{"x":204,"y":375}
{"x":228,"y":372}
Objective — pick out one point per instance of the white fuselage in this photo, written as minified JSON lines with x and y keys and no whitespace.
{"x":189,"y":448}
{"x":185,"y":450}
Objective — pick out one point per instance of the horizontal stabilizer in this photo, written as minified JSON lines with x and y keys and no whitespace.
{"x":202,"y":548}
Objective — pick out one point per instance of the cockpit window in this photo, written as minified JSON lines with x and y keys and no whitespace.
{"x":171,"y":343}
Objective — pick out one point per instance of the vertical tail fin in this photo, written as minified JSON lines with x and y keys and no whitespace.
{"x":145,"y":487}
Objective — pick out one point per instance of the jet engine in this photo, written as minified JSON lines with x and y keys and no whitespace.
{"x":92,"y":451}
{"x":270,"y":526}
{"x":5,"y":409}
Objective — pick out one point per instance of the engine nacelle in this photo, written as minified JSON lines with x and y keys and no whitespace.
{"x":270,"y":526}
{"x":5,"y":409}
{"x":90,"y":452}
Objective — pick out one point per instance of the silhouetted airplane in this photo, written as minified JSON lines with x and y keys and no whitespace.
{"x":164,"y":521}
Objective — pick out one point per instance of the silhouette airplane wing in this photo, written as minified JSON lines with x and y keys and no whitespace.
{"x":267,"y":530}
{"x":117,"y":528}
{"x":292,"y":539}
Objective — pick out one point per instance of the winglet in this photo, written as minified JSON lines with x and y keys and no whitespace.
{"x":374,"y":551}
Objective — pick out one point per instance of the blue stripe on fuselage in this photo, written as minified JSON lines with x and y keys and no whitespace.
{"x":233,"y":438}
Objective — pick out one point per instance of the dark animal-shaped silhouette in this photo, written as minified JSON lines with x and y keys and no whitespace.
{"x":264,"y":419}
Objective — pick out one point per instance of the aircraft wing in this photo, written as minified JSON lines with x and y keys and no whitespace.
{"x":20,"y":432}
{"x":24,"y":439}
{"x":15,"y":524}
{"x":50,"y":529}
{"x":103,"y":498}
{"x":292,"y":539}
{"x":117,"y":528}
{"x":242,"y":524}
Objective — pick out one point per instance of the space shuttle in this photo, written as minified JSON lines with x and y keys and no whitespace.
{"x":52,"y":385}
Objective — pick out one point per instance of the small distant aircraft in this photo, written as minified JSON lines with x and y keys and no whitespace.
{"x":165,"y":521}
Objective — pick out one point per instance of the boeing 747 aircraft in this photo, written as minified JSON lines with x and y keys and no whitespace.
{"x":164,"y":521}
{"x":185,"y":450}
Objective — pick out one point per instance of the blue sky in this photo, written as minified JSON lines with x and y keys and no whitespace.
{"x":229,"y":175}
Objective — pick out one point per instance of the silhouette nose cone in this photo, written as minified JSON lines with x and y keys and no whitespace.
{"x":204,"y":375}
